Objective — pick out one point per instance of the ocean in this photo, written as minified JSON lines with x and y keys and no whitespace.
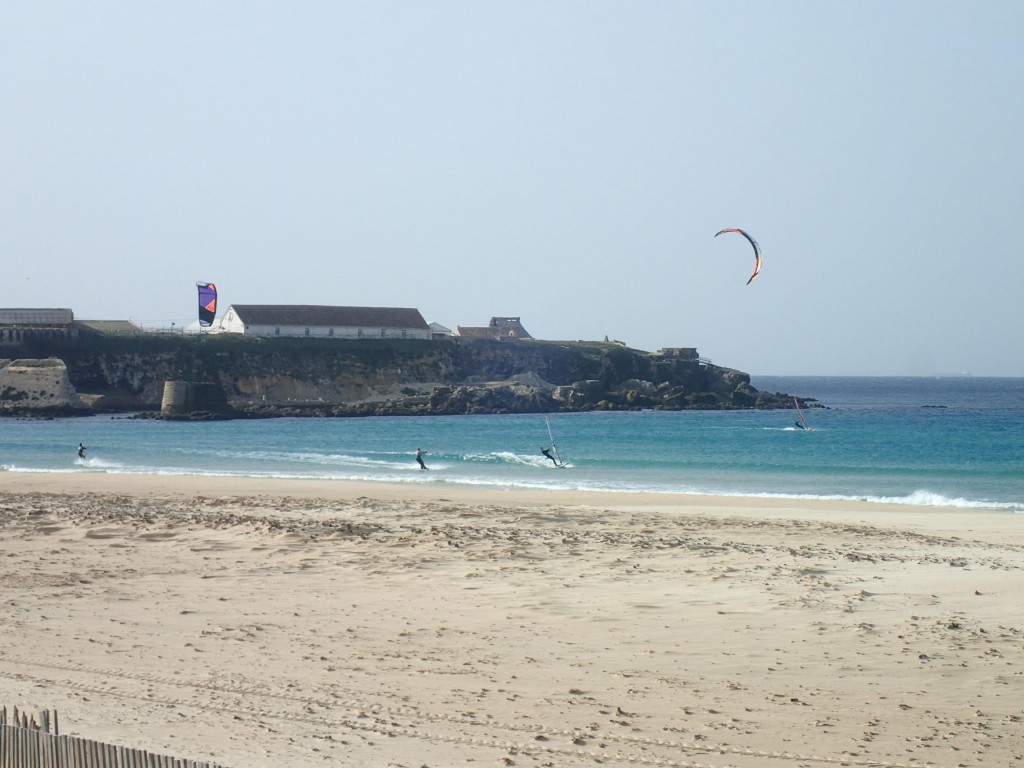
{"x":950,"y":442}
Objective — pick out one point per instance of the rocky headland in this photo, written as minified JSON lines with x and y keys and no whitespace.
{"x":217,"y":377}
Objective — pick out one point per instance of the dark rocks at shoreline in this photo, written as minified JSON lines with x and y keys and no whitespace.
{"x":503,"y":397}
{"x":43,"y":413}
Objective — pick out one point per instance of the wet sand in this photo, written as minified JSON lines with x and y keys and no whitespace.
{"x":295,"y":623}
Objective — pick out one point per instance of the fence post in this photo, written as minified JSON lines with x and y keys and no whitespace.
{"x":28,"y":743}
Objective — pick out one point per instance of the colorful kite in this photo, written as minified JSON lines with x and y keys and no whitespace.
{"x":757,"y":251}
{"x":207,"y":304}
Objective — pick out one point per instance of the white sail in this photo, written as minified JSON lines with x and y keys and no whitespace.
{"x":801,"y":421}
{"x":554,"y":448}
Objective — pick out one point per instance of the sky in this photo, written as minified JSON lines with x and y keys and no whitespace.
{"x":568,"y":163}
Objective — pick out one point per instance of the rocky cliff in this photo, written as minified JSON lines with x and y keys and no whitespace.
{"x":270,"y":377}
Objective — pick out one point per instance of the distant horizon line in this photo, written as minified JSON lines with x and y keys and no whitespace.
{"x":967,"y":375}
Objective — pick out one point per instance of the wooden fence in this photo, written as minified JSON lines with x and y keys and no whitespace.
{"x":26,"y":742}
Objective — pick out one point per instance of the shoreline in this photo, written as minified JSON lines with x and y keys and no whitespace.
{"x":263,"y":622}
{"x":344,"y":488}
{"x":184,"y":486}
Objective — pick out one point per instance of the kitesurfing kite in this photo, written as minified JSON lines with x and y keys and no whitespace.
{"x":207,"y":304}
{"x":757,"y":251}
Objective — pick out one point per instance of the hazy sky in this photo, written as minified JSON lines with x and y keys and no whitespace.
{"x":566,"y":162}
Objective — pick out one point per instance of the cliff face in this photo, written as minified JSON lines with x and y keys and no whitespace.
{"x":266,"y":377}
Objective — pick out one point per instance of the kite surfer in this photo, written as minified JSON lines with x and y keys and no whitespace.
{"x":81,"y":451}
{"x":419,"y":458}
{"x":547,"y":452}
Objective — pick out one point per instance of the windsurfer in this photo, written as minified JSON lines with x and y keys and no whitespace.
{"x":419,"y":458}
{"x":801,"y":422}
{"x":547,"y":452}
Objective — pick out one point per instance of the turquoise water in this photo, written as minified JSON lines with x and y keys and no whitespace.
{"x":956,"y":442}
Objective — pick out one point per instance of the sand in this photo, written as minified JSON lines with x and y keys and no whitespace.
{"x":285,"y":623}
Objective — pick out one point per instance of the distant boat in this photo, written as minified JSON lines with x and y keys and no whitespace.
{"x":801,"y":422}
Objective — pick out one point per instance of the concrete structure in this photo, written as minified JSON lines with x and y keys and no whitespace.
{"x":681,"y":353}
{"x":110,"y":327}
{"x":18,"y":326}
{"x":499,"y":328}
{"x":185,"y":398}
{"x":36,"y":384}
{"x":314,"y":321}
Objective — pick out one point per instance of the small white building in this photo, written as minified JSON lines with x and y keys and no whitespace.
{"x":315,"y":321}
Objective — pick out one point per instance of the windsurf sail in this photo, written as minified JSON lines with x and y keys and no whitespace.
{"x":801,"y":422}
{"x":207,"y":304}
{"x":554,"y":448}
{"x":757,"y":251}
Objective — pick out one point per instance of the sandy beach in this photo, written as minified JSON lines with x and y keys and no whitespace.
{"x":268,"y":623}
